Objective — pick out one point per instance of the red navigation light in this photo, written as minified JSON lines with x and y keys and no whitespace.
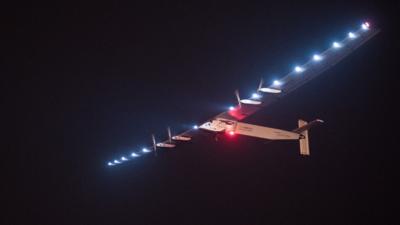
{"x":231,"y":133}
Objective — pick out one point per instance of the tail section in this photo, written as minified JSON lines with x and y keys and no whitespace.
{"x":302,"y":129}
{"x":304,"y":143}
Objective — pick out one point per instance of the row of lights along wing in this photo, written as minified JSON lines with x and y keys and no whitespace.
{"x":275,"y":84}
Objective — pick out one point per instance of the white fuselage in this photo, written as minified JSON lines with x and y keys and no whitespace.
{"x":223,"y":125}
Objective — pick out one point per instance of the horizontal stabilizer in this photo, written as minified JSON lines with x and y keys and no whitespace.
{"x":306,"y":126}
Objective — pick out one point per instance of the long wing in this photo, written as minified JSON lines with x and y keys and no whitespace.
{"x":279,"y":88}
{"x":306,"y":72}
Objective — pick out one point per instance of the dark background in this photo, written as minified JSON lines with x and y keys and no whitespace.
{"x":86,"y":83}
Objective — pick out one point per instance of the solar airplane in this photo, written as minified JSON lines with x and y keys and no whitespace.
{"x":230,"y":121}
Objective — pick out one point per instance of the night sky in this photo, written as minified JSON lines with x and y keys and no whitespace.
{"x":86,"y":83}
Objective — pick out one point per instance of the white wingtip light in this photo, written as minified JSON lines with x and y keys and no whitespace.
{"x":116,"y":161}
{"x":195,"y":127}
{"x":336,"y":44}
{"x":365,"y":26}
{"x":110,"y":164}
{"x":255,"y":95}
{"x":317,"y":57}
{"x":145,"y":150}
{"x":133,"y":154}
{"x":231,"y":108}
{"x":298,"y":69}
{"x":352,"y":35}
{"x":277,"y":83}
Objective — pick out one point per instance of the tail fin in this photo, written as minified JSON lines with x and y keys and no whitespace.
{"x":303,"y":130}
{"x":304,"y":143}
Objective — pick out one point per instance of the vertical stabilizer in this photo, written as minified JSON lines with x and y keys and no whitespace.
{"x":304,"y":142}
